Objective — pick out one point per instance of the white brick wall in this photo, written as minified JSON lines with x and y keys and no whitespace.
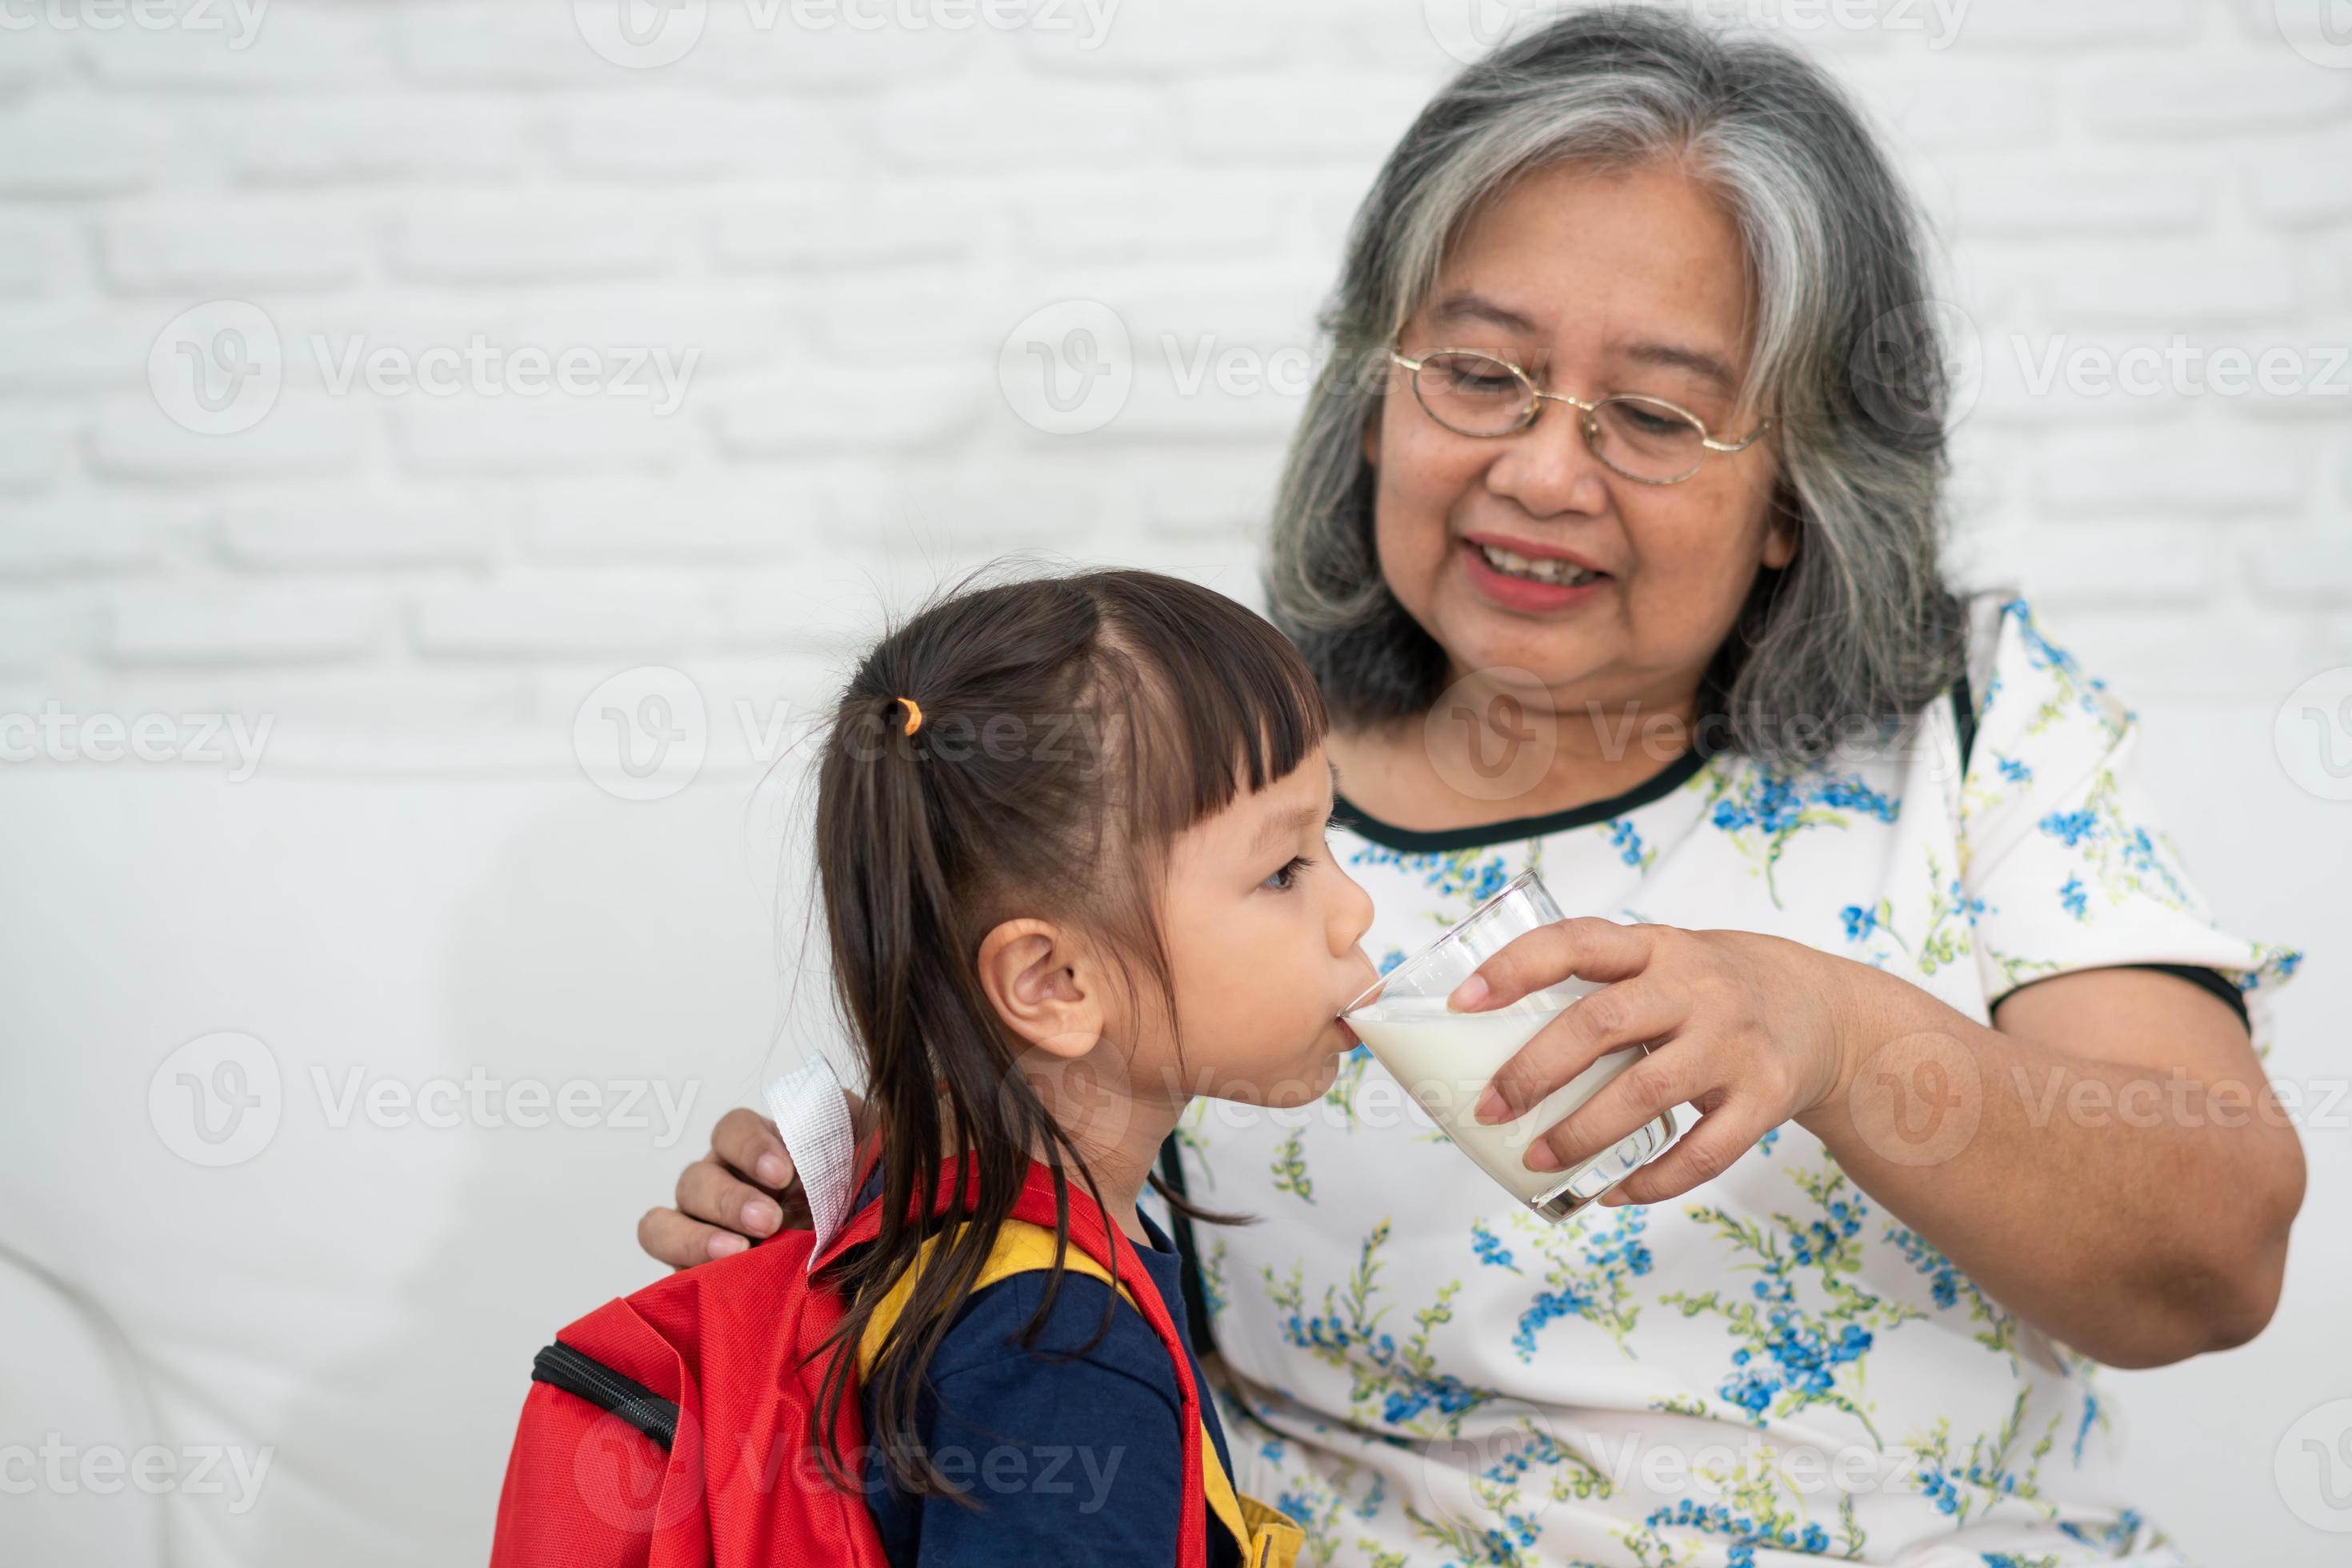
{"x":833,"y":233}
{"x":841,"y":227}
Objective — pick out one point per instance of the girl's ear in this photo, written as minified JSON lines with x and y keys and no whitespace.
{"x":1042,"y":984}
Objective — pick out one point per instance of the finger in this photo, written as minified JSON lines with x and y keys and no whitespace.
{"x":1588,"y":948}
{"x":709,"y":1192}
{"x":672,"y":1239}
{"x":748,"y":1140}
{"x":1648,"y":1086}
{"x":1628,"y":1012}
{"x":1698,"y":1156}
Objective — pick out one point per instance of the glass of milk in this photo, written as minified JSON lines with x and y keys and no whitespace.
{"x":1446,"y":1059}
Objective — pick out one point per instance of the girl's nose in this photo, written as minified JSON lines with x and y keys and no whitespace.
{"x":1354,"y":919}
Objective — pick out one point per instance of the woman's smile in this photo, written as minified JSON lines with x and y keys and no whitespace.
{"x":1531,"y":579}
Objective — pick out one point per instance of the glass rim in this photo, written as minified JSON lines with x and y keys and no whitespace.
{"x":1446,"y":940}
{"x":1536,"y":394}
{"x":1531,"y":405}
{"x":1531,"y":409}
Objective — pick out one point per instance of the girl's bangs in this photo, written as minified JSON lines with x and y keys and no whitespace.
{"x":1216,"y":711}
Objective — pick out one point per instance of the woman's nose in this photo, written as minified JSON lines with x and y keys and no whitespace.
{"x":1548,"y":468}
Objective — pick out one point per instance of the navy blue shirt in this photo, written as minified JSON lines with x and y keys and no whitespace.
{"x":1075,"y":1455}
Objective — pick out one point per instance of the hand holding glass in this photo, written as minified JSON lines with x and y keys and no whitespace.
{"x":1446,"y":1059}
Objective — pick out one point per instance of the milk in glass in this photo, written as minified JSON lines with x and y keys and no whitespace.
{"x":1445,"y":1061}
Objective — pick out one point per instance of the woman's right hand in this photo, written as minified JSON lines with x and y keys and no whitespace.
{"x":740,"y":1192}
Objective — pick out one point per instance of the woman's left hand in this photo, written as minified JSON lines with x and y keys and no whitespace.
{"x":1746,"y":1028}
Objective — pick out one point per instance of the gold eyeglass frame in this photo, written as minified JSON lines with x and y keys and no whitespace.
{"x":1589,"y":425}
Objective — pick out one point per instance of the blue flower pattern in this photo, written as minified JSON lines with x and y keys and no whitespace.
{"x":1742,"y":1307}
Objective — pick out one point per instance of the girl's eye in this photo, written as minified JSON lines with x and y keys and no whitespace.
{"x":1283,"y":880}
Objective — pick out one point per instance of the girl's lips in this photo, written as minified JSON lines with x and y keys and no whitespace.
{"x":1521,"y":593}
{"x":1348,"y":1035}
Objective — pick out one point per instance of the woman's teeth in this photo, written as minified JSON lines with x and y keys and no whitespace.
{"x":1565,"y":573}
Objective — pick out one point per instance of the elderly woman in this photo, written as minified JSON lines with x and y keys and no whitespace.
{"x":1612,"y":535}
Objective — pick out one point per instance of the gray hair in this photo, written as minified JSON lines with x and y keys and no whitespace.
{"x":1861,"y":629}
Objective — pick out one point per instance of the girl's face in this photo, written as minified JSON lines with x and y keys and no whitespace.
{"x":1261,"y":925}
{"x":1593,"y":284}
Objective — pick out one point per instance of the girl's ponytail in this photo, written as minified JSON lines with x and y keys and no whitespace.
{"x":940,"y":1075}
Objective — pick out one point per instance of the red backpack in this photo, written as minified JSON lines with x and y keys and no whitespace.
{"x":669,"y":1428}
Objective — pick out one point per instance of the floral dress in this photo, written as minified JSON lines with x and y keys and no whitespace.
{"x":1771,"y":1369}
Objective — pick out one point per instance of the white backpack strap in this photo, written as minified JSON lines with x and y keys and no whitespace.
{"x":812,"y":1115}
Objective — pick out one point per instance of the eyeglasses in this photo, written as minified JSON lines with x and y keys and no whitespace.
{"x":1647,"y":439}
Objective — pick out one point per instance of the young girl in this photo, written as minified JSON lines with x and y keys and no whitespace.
{"x":1070,"y":839}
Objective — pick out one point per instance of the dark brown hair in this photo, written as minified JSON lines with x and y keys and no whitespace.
{"x":1072,"y":726}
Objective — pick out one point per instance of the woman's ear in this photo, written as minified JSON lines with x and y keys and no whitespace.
{"x":1782,"y":525}
{"x":1042,"y":984}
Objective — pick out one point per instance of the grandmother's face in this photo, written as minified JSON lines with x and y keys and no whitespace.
{"x":1593,"y":284}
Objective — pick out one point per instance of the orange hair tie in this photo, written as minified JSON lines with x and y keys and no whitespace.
{"x":914,"y":714}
